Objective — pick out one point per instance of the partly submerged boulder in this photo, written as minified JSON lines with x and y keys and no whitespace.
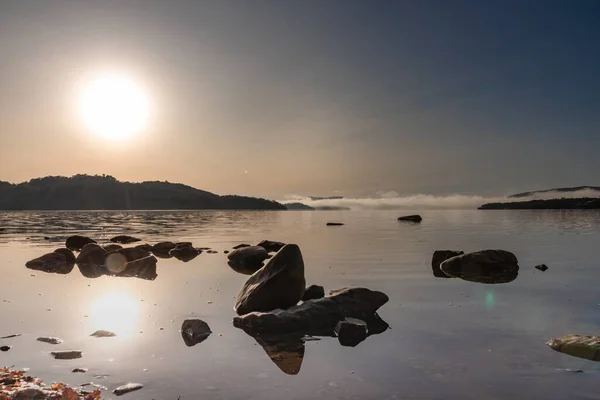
{"x":184,"y":252}
{"x":51,"y":263}
{"x":76,"y":242}
{"x":485,"y":266}
{"x":581,"y":346}
{"x":194,"y":331}
{"x":91,"y":254}
{"x":439,"y":256}
{"x":162,"y":249}
{"x":143,"y":268}
{"x":315,"y":315}
{"x":351,"y":331}
{"x":313,"y":292}
{"x":249,"y":258}
{"x":144,"y":247}
{"x":411,"y":218}
{"x":271,"y":246}
{"x":69,"y":256}
{"x":124,"y":239}
{"x":279,"y":284}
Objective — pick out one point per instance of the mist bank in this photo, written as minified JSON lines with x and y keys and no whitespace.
{"x":392,"y":201}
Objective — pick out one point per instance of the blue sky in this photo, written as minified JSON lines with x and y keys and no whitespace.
{"x":312,"y":97}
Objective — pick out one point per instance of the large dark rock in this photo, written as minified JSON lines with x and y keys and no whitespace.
{"x":143,"y":268}
{"x":124,"y":239}
{"x":313,"y":292}
{"x":69,"y":256}
{"x":91,"y":254}
{"x":315,"y":315}
{"x":144,"y":247}
{"x":351,"y":331}
{"x":486,"y":266}
{"x":411,"y":218}
{"x":581,"y":346}
{"x":112,"y":247}
{"x":184,"y":252}
{"x":248,"y":258}
{"x":76,"y":242}
{"x":162,"y":249}
{"x":194,"y":331}
{"x":271,"y":246}
{"x":52,"y":263}
{"x":279,"y":284}
{"x":439,"y":256}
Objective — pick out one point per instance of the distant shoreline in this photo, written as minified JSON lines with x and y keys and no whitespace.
{"x":582,"y":203}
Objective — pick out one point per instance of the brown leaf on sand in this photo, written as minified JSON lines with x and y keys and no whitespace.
{"x":69,"y":394}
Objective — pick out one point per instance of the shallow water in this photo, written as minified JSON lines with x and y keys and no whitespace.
{"x":449,"y":338}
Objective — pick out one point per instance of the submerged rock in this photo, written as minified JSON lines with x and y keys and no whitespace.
{"x":184,"y":252}
{"x":313,"y":292}
{"x":486,"y":266}
{"x":279,"y":284}
{"x":439,"y":256}
{"x":124,"y":239}
{"x":66,"y":354}
{"x":248,"y":258}
{"x":103,"y":333}
{"x":129,"y":387}
{"x":351,"y":331}
{"x":162,"y":249}
{"x":194,"y":331}
{"x":542,"y":267}
{"x":335,"y":224}
{"x":271,"y":246}
{"x":411,"y":218}
{"x":50,"y":340}
{"x":91,"y":254}
{"x":581,"y":346}
{"x":314,"y":315}
{"x":76,"y":242}
{"x":69,"y":256}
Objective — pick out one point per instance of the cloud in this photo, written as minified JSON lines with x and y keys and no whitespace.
{"x":390,"y":200}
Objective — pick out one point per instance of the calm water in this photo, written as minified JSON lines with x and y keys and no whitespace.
{"x":450,"y":339}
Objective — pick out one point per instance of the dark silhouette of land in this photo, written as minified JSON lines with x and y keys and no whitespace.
{"x":558,"y":190}
{"x":583,"y":203}
{"x":86,"y":192}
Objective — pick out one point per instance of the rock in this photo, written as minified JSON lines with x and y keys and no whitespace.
{"x":279,"y":284}
{"x":69,"y":256}
{"x":144,"y":247}
{"x":239,"y":246}
{"x":77,"y":242}
{"x":91,"y":254}
{"x":581,"y":346}
{"x":79,"y":370}
{"x":271,"y":246}
{"x":411,"y":218}
{"x":5,"y":348}
{"x":184,"y":244}
{"x":486,"y":266}
{"x":50,"y":340}
{"x":130,"y":387}
{"x":124,"y":239}
{"x":335,"y":223}
{"x":162,"y":249}
{"x":143,"y":268}
{"x":66,"y":354}
{"x":133,"y":253}
{"x":542,"y":267}
{"x":225,"y":251}
{"x":116,"y":260}
{"x":439,"y":256}
{"x":92,"y":271}
{"x":194,"y":331}
{"x":103,"y":333}
{"x":51,"y":263}
{"x":313,"y":292}
{"x":315,"y":315}
{"x":10,"y":336}
{"x":112,"y":247}
{"x":351,"y":331}
{"x":249,"y":258}
{"x":184,"y":252}
{"x":212,"y":252}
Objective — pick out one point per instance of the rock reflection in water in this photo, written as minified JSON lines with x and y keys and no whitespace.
{"x":488,"y":266}
{"x":478,"y":274}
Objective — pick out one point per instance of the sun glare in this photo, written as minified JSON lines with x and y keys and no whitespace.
{"x":114,"y":106}
{"x":115,"y":312}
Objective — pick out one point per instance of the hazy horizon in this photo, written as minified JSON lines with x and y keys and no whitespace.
{"x":280,"y":98}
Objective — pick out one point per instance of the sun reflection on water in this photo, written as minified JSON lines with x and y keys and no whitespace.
{"x":117,"y":312}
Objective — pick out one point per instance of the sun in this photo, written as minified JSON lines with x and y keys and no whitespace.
{"x":114,"y":106}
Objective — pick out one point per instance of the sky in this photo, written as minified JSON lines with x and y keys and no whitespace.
{"x":315,"y":97}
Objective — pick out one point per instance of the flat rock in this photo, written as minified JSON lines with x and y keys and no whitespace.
{"x":103,"y":333}
{"x":335,"y":224}
{"x":194,"y":331}
{"x":439,"y":256}
{"x":279,"y":284}
{"x":76,"y":242}
{"x":79,"y":370}
{"x":351,"y":331}
{"x":411,"y":218}
{"x":271,"y":246}
{"x":124,"y":239}
{"x":248,"y":258}
{"x":92,"y":254}
{"x":129,"y":387}
{"x":66,"y":354}
{"x":485,"y":266}
{"x":582,"y":346}
{"x":50,"y":340}
{"x":313,"y":292}
{"x":542,"y":267}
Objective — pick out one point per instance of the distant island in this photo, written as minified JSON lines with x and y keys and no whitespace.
{"x":103,"y":192}
{"x":558,"y":191}
{"x":582,"y":203}
{"x":298,"y":207}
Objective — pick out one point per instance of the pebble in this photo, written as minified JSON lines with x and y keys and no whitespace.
{"x":129,"y":387}
{"x":50,"y":340}
{"x":5,"y":348}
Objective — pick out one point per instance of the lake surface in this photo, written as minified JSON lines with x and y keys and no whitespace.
{"x":449,"y":338}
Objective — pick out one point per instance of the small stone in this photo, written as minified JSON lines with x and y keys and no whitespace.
{"x":50,"y":340}
{"x":335,"y":223}
{"x":194,"y":331}
{"x":130,"y":387}
{"x":79,"y":370}
{"x":103,"y":333}
{"x":541,"y":267}
{"x":411,"y":218}
{"x":351,"y":331}
{"x":5,"y":348}
{"x":67,"y":354}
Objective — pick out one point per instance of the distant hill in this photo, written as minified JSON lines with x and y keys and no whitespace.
{"x":86,"y":192}
{"x":583,"y":203}
{"x":315,"y":198}
{"x":298,"y":206}
{"x":558,"y":190}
